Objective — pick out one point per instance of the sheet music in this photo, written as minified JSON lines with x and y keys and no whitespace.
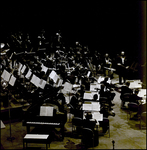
{"x":135,"y":84}
{"x":59,"y":83}
{"x":67,"y":87}
{"x":19,"y":67}
{"x":88,"y":74}
{"x":12,"y":80}
{"x":95,"y":106}
{"x":87,"y":107}
{"x":46,"y":111}
{"x":42,"y":83}
{"x":88,"y":95}
{"x":2,"y":125}
{"x":142,"y":93}
{"x":23,"y":69}
{"x":97,"y":116}
{"x":29,"y":73}
{"x":6,"y":75}
{"x":44,"y":68}
{"x":35,"y":80}
{"x":100,"y":79}
{"x":54,"y":76}
{"x":93,"y":86}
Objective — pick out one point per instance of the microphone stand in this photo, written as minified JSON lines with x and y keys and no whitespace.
{"x":113,"y":143}
{"x":10,"y":138}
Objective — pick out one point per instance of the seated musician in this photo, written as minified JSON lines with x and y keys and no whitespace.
{"x":125,"y":89}
{"x":61,"y":102}
{"x":87,"y":123}
{"x":107,"y":62}
{"x":107,"y":93}
{"x":142,"y":108}
{"x":75,"y":104}
{"x":82,"y":91}
{"x":91,"y":124}
{"x":135,"y":98}
{"x":106,"y":83}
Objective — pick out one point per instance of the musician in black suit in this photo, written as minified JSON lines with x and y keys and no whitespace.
{"x":122,"y":66}
{"x":125,"y":89}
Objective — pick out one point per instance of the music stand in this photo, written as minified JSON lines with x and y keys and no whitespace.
{"x":7,"y":77}
{"x":10,"y":138}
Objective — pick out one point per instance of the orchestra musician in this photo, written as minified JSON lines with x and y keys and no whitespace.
{"x":107,"y":62}
{"x":122,"y":66}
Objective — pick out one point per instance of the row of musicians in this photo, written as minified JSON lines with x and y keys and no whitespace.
{"x":129,"y":95}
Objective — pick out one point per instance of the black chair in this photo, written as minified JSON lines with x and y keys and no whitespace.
{"x":106,"y":126}
{"x":143,"y":120}
{"x":126,"y":97}
{"x":87,"y":137}
{"x":132,"y":107}
{"x":77,"y":125}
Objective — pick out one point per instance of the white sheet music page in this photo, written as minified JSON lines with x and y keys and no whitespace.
{"x":97,"y":116}
{"x":29,"y":73}
{"x":23,"y":69}
{"x":12,"y":80}
{"x":95,"y":106}
{"x":88,"y":74}
{"x":42,"y":83}
{"x":67,"y":87}
{"x":2,"y":125}
{"x":44,"y":68}
{"x":87,"y":107}
{"x":54,"y":76}
{"x":93,"y":87}
{"x":19,"y":68}
{"x":6,"y":75}
{"x":100,"y":79}
{"x":88,"y":95}
{"x":46,"y":110}
{"x":35,"y":80}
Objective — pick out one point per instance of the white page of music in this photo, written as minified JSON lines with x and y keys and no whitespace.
{"x":44,"y":68}
{"x":95,"y":106}
{"x":42,"y":83}
{"x":142,"y":93}
{"x":29,"y":73}
{"x":12,"y":80}
{"x":23,"y":69}
{"x":54,"y":76}
{"x":46,"y":111}
{"x":87,"y":107}
{"x":67,"y":87}
{"x":88,"y":74}
{"x":88,"y":95}
{"x":97,"y":116}
{"x":6,"y":75}
{"x":93,"y":86}
{"x":35,"y":80}
{"x":100,"y":79}
{"x":19,"y":66}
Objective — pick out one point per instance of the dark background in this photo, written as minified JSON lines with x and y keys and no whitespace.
{"x":106,"y":26}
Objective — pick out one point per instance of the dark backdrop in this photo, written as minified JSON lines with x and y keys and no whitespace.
{"x":106,"y":26}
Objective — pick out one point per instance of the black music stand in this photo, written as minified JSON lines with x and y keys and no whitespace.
{"x":4,"y":86}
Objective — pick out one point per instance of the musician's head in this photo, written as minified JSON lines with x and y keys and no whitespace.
{"x":106,"y":55}
{"x":122,"y":53}
{"x":95,"y":97}
{"x":136,"y":91}
{"x":88,"y":116}
{"x":128,"y":84}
